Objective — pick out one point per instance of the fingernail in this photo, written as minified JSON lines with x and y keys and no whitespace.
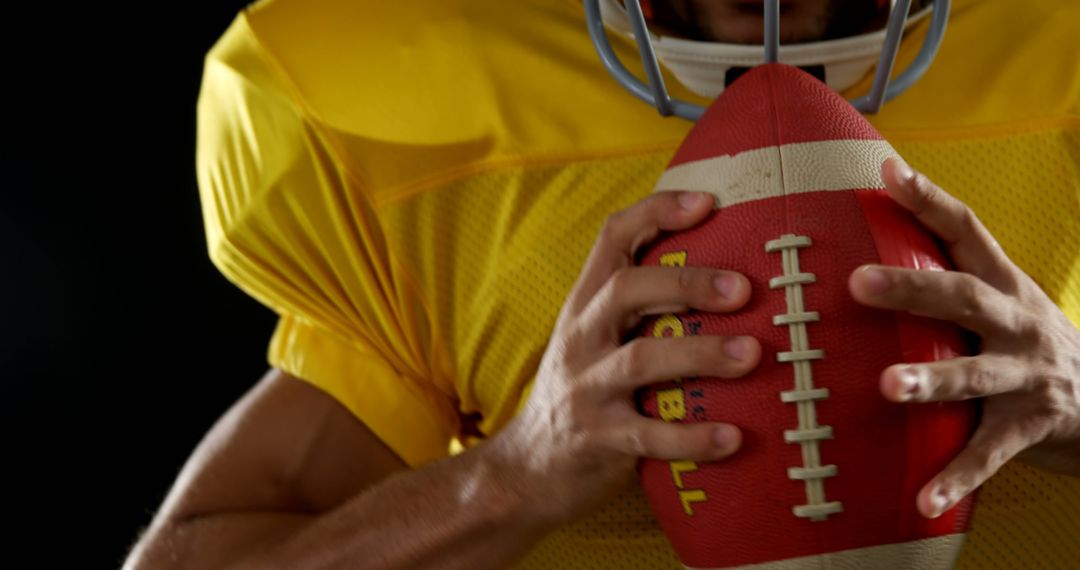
{"x":909,"y":382}
{"x":875,"y":280}
{"x":939,"y":502}
{"x":738,"y":347}
{"x":903,"y":172}
{"x":727,"y":285}
{"x":691,"y":200}
{"x":725,"y":436}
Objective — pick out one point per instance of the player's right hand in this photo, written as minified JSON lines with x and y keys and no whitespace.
{"x":577,"y":439}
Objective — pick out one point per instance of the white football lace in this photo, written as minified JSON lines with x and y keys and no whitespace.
{"x":812,"y":473}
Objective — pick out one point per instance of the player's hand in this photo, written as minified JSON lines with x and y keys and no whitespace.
{"x":579,"y":436}
{"x":1029,"y":367}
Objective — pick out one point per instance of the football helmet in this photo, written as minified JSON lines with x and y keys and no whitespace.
{"x":706,"y":67}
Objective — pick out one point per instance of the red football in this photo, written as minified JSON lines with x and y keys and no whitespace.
{"x":829,"y":470}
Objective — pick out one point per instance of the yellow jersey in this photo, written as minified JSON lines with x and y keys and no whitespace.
{"x":413,"y":188}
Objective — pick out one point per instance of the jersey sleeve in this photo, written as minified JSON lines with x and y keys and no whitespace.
{"x":287,"y":222}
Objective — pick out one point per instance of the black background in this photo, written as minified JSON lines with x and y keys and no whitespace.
{"x":121,"y":342}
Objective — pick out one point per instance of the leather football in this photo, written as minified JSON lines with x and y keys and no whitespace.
{"x":829,"y":469}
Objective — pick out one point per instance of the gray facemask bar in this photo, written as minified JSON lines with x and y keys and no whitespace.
{"x":655,"y":93}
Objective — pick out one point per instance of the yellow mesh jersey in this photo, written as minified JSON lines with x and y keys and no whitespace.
{"x":413,"y":187}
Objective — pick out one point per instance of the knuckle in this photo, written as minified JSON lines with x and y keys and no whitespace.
{"x":567,"y":351}
{"x":997,"y":457}
{"x":565,"y":414}
{"x":612,"y":303}
{"x":573,"y":333}
{"x":689,"y":353}
{"x":969,"y":221}
{"x":579,"y":411}
{"x":634,"y":441}
{"x":620,"y":282}
{"x":617,"y":219}
{"x":612,"y":227}
{"x":1055,"y":396}
{"x":911,"y":284}
{"x":981,"y":380}
{"x":972,"y":302}
{"x":986,"y":459}
{"x":685,"y":281}
{"x":925,"y":191}
{"x":635,"y":359}
{"x":1025,"y":327}
{"x":1024,"y":287}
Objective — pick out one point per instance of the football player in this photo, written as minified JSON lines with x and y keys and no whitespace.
{"x":424,"y":192}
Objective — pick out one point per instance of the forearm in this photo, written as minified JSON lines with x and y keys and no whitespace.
{"x":461,"y":512}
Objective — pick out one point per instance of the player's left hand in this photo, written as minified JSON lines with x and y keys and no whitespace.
{"x":1029,"y":367}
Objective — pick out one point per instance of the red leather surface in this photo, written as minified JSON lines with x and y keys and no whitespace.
{"x":884,"y":451}
{"x":902,"y":242}
{"x":769,"y":105}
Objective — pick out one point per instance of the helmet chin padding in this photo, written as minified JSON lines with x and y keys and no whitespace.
{"x":647,"y":7}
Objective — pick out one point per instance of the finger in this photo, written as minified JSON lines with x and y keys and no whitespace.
{"x":625,"y":231}
{"x":648,"y":360}
{"x":969,"y":242}
{"x":956,"y":379}
{"x":947,"y":295}
{"x":644,"y":437}
{"x":632,"y":292}
{"x":993,"y":445}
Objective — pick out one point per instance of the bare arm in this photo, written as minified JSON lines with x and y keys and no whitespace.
{"x":289,"y":479}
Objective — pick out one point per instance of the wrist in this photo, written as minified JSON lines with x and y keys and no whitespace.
{"x":517,"y":489}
